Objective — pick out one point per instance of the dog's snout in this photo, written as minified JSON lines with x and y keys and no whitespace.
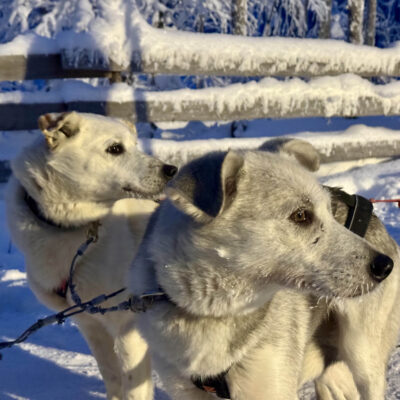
{"x":169,"y":171}
{"x":381,"y":267}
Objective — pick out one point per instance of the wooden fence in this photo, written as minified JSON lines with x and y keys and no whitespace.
{"x":261,"y":100}
{"x":278,"y":57}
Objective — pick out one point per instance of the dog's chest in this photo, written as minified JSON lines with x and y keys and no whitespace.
{"x":199,"y":345}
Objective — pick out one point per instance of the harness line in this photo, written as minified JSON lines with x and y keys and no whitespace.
{"x":386,"y":201}
{"x":134,"y":303}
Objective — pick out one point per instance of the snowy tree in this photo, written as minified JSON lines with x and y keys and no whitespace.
{"x":371,"y":23}
{"x":300,"y":18}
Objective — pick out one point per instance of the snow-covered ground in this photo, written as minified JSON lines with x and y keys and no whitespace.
{"x":55,"y":363}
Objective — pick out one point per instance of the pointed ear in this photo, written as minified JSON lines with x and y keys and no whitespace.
{"x":57,"y":127}
{"x":229,"y":178}
{"x":129,"y":125}
{"x":206,"y":187}
{"x":304,"y":152}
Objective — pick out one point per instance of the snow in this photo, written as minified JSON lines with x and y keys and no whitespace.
{"x":29,"y":43}
{"x":224,"y":53}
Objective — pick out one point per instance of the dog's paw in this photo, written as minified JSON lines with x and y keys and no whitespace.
{"x":336,"y":383}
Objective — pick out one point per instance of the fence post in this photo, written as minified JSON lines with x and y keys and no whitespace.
{"x":356,"y":14}
{"x":239,"y":17}
{"x":115,"y":77}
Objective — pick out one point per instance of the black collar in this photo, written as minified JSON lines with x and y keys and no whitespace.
{"x":37,"y":212}
{"x":360,"y":210}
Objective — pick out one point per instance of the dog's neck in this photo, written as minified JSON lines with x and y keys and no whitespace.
{"x":35,"y":209}
{"x":73,"y":215}
{"x":57,"y":198}
{"x":199,"y":288}
{"x":211,"y":293}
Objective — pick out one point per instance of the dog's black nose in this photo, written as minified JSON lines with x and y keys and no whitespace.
{"x":381,"y":267}
{"x":169,"y":171}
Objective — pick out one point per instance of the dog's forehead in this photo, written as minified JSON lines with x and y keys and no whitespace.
{"x":106,"y":127}
{"x":277,"y":176}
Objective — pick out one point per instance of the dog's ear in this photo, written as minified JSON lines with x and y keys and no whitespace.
{"x":304,"y":152}
{"x":129,"y":125}
{"x":206,"y":187}
{"x":58,"y":127}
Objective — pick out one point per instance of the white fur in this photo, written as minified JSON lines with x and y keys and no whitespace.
{"x":75,"y":181}
{"x":288,"y":295}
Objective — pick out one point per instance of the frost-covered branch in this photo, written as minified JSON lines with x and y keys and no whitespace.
{"x":371,"y":23}
{"x":356,"y":20}
{"x":239,"y":17}
{"x":325,"y":21}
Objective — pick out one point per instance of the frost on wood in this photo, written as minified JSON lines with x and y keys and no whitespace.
{"x":356,"y":142}
{"x":217,"y":54}
{"x":347,"y":95}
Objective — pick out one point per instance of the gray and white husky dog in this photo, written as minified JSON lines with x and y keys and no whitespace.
{"x":84,"y":169}
{"x":265,"y":286}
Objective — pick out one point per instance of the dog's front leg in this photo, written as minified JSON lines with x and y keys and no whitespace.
{"x":269,"y":373}
{"x":367,"y":365}
{"x":101,"y":344}
{"x":134,"y":358}
{"x":368,"y":329}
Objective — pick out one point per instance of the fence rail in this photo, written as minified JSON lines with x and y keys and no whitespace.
{"x":259,"y":57}
{"x":343,"y":96}
{"x":348,"y":150}
{"x":43,"y":66}
{"x":25,"y":116}
{"x":168,"y":52}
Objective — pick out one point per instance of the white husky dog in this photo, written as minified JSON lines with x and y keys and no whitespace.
{"x":244,"y":247}
{"x":72,"y":177}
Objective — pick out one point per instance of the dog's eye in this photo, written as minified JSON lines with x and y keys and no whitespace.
{"x":302,"y":216}
{"x":115,"y":149}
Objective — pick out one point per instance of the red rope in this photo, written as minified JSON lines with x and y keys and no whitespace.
{"x":386,"y":201}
